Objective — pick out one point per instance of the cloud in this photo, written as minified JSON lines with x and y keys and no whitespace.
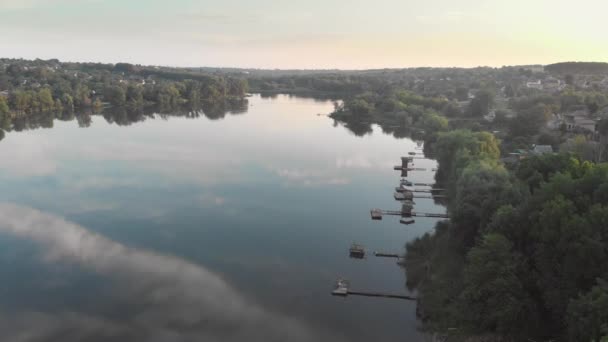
{"x":28,"y":157}
{"x":309,"y":178}
{"x":210,"y":200}
{"x":358,"y":162}
{"x":169,"y":299}
{"x":27,"y":4}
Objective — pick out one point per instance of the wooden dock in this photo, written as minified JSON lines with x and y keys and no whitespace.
{"x":387,"y":255}
{"x":406,"y":169}
{"x":342,"y":289}
{"x":424,"y":184}
{"x":377,"y":214}
{"x":403,"y":189}
{"x":378,"y":294}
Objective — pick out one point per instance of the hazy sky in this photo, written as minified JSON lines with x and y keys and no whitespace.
{"x":306,"y":33}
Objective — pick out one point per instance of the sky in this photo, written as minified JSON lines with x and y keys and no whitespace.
{"x":306,"y":34}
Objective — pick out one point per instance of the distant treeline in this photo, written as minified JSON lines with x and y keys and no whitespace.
{"x":322,"y":83}
{"x":573,"y":68}
{"x":30,"y":87}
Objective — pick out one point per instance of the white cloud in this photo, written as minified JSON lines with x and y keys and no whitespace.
{"x":358,"y":162}
{"x":211,"y":200}
{"x":300,"y":177}
{"x":171,"y":299}
{"x":26,"y":4}
{"x":28,"y":157}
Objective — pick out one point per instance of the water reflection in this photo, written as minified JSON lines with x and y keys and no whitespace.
{"x":125,"y":116}
{"x":269,"y":202}
{"x":163,"y":298}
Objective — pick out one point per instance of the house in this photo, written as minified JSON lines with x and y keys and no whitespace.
{"x":577,"y":121}
{"x":490,"y":116}
{"x":542,"y":149}
{"x":535,"y":85}
{"x":552,"y":83}
{"x":555,"y":122}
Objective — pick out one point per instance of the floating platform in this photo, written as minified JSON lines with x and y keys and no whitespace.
{"x":376,"y":214}
{"x":356,"y":251}
{"x":406,"y":182}
{"x":342,"y":289}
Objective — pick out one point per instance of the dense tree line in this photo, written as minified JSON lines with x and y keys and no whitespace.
{"x":399,"y":112}
{"x":571,"y":68}
{"x":523,"y":255}
{"x":33,"y":87}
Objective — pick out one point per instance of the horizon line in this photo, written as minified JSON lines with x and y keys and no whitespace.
{"x":299,"y":69}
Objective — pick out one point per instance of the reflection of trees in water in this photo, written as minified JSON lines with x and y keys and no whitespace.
{"x":359,"y":129}
{"x":216,"y":111}
{"x":317,"y":97}
{"x":124,"y":116}
{"x":33,"y":121}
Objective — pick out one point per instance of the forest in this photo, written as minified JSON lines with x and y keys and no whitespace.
{"x":523,"y":255}
{"x":40,"y":91}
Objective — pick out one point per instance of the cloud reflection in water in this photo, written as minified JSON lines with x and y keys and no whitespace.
{"x":169,"y":299}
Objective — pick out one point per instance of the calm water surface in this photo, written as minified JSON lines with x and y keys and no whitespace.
{"x":231,"y":229}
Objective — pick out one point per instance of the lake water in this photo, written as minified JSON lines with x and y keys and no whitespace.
{"x":178,"y":229}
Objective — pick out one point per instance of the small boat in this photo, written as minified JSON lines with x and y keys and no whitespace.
{"x":407,"y":221}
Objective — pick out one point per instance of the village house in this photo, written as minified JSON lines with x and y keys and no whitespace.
{"x":579,"y":121}
{"x":553,"y":84}
{"x":534,"y":85}
{"x":491,"y":116}
{"x":541,"y":149}
{"x":555,"y":122}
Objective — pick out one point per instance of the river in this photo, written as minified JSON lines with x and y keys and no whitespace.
{"x":227,"y":229}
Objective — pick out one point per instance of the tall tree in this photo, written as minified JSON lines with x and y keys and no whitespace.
{"x":482,"y":103}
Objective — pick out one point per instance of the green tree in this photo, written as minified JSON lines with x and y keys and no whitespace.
{"x":45,"y":100}
{"x":168,"y":97}
{"x":569,"y":79}
{"x":588,"y":315}
{"x":529,"y":122}
{"x":115,"y":95}
{"x":4,"y":110}
{"x":82,"y":96}
{"x":359,"y":107}
{"x":134,"y":95}
{"x":462,"y":93}
{"x":482,"y":103}
{"x":494,"y":298}
{"x":432,"y":122}
{"x":68,"y":102}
